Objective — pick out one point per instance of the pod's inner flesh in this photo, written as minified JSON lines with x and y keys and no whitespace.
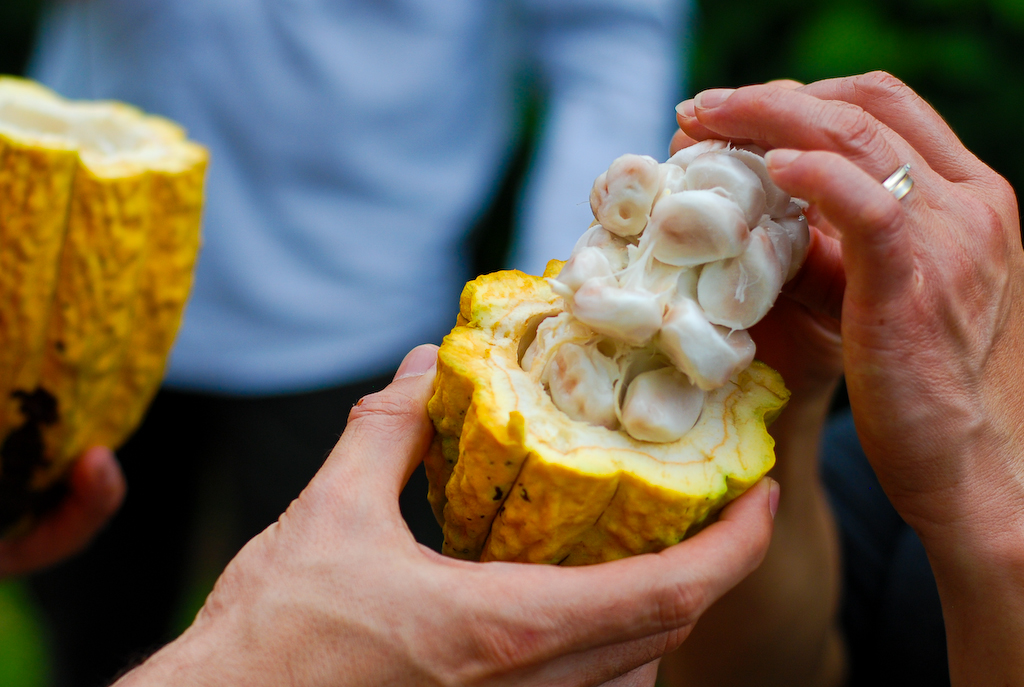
{"x":102,"y":132}
{"x":683,"y":258}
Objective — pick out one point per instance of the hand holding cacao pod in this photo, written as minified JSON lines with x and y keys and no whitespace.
{"x":95,"y":489}
{"x":339,"y":592}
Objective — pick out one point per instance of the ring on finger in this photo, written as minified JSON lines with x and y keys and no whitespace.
{"x":899,"y":182}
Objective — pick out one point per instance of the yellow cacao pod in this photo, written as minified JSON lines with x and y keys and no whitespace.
{"x":99,"y":229}
{"x":514,"y":478}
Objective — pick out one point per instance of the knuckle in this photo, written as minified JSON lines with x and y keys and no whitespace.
{"x":502,"y":651}
{"x":493,"y":650}
{"x":673,"y":639}
{"x":854,"y":131}
{"x":382,"y":407}
{"x":881,"y":88}
{"x":774,"y":95}
{"x":1005,"y":195}
{"x":682,"y":605}
{"x":988,"y":225}
{"x":880,"y":84}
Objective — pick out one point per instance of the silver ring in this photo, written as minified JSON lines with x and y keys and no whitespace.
{"x":899,"y":182}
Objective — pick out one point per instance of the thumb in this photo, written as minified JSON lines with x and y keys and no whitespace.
{"x":389,"y":432}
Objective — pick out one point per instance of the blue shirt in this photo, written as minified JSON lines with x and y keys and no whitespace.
{"x":353,"y":143}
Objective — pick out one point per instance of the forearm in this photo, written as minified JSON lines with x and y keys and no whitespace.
{"x":273,"y":640}
{"x":227,"y":651}
{"x":779,"y":625}
{"x":984,"y":616}
{"x":979,"y":570}
{"x":204,"y":656}
{"x":180,"y":662}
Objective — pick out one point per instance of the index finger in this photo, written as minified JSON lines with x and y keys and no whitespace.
{"x":692,"y":130}
{"x":779,"y":117}
{"x":896,"y":105}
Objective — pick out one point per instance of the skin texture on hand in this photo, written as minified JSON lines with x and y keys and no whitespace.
{"x":932,"y":323}
{"x":338,"y":592}
{"x":96,"y":490}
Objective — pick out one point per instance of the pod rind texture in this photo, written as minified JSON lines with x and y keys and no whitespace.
{"x":95,"y":269}
{"x":512,"y":478}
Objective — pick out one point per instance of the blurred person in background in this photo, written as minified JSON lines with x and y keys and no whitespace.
{"x":353,"y":147}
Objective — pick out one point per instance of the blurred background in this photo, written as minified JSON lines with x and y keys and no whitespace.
{"x":964,"y":56}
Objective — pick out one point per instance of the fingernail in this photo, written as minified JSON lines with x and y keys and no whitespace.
{"x":417,"y":361}
{"x":781,"y":157}
{"x":773,"y":496}
{"x":686,"y":110}
{"x":713,"y":98}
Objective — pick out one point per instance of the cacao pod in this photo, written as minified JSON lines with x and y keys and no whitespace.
{"x":99,"y":228}
{"x":514,"y":478}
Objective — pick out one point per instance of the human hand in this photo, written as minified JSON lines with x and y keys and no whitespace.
{"x":931,"y":319}
{"x":338,"y":591}
{"x":932,"y":326}
{"x":96,"y":489}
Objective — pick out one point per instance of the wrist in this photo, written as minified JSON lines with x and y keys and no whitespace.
{"x":975,"y":515}
{"x":216,"y":652}
{"x":195,"y":658}
{"x":980,"y":578}
{"x":976,"y":550}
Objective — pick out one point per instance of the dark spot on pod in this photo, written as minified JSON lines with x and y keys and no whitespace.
{"x":21,"y":454}
{"x":498,"y":493}
{"x":59,"y":345}
{"x":526,"y":497}
{"x":39,"y":407}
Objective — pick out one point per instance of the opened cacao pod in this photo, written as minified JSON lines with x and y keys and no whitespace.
{"x":513,"y":478}
{"x":99,"y":230}
{"x":612,"y":407}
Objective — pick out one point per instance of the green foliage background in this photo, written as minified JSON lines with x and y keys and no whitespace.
{"x":965,"y":56}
